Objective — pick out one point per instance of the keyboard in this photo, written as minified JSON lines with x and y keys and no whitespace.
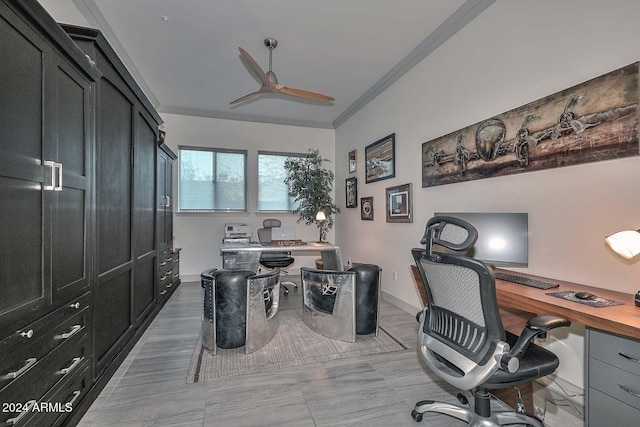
{"x":534,"y":283}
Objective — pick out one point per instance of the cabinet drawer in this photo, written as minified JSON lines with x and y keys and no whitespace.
{"x":63,"y":399}
{"x":615,"y":382}
{"x":29,"y":345}
{"x":604,"y":410}
{"x":54,"y":369}
{"x":615,"y":350}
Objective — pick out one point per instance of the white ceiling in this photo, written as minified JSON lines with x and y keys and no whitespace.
{"x":188,"y":62}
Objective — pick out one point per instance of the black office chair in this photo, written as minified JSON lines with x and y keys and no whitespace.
{"x":461,"y":336}
{"x":274,"y":260}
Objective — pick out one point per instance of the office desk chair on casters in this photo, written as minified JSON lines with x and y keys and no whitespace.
{"x":273,"y":260}
{"x":461,"y":336}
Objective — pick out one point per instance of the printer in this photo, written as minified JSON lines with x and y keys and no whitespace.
{"x":237,"y":233}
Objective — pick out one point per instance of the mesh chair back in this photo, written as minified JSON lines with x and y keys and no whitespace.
{"x":462,"y":307}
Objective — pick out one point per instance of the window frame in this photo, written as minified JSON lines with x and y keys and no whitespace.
{"x":271,"y":153}
{"x":245,"y":153}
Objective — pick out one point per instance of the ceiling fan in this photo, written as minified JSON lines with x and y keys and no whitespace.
{"x":270,"y":81}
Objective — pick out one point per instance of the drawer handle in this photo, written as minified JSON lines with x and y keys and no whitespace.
{"x":74,"y":330}
{"x":76,"y":362}
{"x":162,"y":264}
{"x":76,"y":395}
{"x":633,"y":359}
{"x":27,"y":334}
{"x":27,"y":409}
{"x":16,"y":374}
{"x":628,"y":390}
{"x":76,"y":305}
{"x":163,"y":292}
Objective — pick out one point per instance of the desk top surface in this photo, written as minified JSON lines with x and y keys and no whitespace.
{"x":621,"y":319}
{"x":259,"y":247}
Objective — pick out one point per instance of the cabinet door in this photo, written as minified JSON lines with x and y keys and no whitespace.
{"x":168,"y":212}
{"x":70,"y":149}
{"x":114,"y":264}
{"x":162,"y":202}
{"x":22,"y":174}
{"x":144,"y":215}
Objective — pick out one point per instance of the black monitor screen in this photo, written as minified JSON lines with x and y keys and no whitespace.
{"x":503,"y":238}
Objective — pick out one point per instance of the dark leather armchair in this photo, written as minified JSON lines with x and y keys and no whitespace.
{"x":240,"y":309}
{"x":461,"y":336}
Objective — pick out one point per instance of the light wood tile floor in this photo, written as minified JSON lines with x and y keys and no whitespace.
{"x":150,"y":389}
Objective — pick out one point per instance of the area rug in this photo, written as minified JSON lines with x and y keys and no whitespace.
{"x":294,"y":345}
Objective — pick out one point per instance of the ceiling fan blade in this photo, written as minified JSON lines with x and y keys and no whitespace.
{"x":255,"y":67}
{"x":244,"y":98}
{"x":303,"y":93}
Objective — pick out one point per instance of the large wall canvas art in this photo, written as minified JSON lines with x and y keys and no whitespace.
{"x":595,"y":120}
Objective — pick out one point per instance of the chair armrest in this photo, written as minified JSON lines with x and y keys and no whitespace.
{"x":420,"y":314}
{"x":537,"y":326}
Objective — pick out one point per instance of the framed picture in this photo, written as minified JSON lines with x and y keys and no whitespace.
{"x":399,"y":203}
{"x":353,"y":161}
{"x":351,"y":192}
{"x":366,"y":208}
{"x":380,"y":159}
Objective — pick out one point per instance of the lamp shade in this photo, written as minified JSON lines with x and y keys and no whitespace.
{"x":625,"y":243}
{"x":320,"y":216}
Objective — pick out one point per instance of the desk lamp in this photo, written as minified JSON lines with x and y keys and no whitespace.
{"x":625,"y":243}
{"x":320,"y":219}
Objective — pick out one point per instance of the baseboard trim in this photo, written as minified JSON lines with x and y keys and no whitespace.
{"x":400,"y":303}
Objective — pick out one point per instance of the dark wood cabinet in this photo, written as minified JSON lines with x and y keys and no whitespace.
{"x":125,"y":229}
{"x":168,"y":258}
{"x":45,"y":214}
{"x":80,"y":234}
{"x":44,"y":181}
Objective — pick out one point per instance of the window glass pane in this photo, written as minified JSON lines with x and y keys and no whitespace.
{"x":273,"y":193}
{"x":230,"y":188}
{"x":212,"y":180}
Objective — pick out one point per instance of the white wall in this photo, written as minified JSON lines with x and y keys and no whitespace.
{"x":504,"y":59}
{"x":515,"y":52}
{"x":200,"y":234}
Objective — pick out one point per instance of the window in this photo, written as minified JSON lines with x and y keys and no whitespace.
{"x":273,"y":193}
{"x":212,"y":179}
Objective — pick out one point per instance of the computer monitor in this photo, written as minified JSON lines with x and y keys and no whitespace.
{"x":503,"y":238}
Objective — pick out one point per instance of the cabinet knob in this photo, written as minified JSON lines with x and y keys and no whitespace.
{"x":27,"y":334}
{"x":76,"y":305}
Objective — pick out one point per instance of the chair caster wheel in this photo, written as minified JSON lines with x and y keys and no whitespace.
{"x":416,"y":415}
{"x":462,"y":399}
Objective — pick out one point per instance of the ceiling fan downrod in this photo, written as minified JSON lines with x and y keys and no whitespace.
{"x":271,"y":44}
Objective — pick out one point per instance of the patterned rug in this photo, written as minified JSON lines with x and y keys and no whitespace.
{"x":294,"y":345}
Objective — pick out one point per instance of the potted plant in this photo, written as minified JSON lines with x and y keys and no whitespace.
{"x":311,"y":185}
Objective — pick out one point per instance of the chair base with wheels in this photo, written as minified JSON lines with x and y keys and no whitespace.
{"x":279,"y":262}
{"x":275,"y":260}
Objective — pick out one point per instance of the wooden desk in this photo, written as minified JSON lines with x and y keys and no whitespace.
{"x":619,"y":319}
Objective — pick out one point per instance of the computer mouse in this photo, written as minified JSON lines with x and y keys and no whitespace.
{"x":585,"y":295}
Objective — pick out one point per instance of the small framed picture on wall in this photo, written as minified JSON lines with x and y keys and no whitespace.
{"x":380,"y":159}
{"x":399,"y":203}
{"x":353,"y":161}
{"x":351,"y":192}
{"x":366,"y":208}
